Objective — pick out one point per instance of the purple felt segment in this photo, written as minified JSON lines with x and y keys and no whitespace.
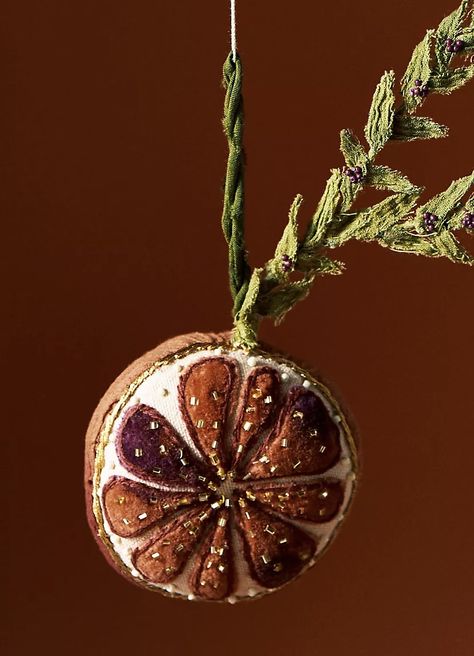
{"x":315,"y":414}
{"x":149,"y":447}
{"x":305,"y":440}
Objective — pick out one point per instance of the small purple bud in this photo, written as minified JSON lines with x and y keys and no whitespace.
{"x":468,"y":221}
{"x":286,"y":263}
{"x":429,"y":221}
{"x":354,"y":174}
{"x":418,"y":83}
{"x":458,"y":45}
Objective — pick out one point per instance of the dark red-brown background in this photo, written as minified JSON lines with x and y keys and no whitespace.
{"x":112,"y":161}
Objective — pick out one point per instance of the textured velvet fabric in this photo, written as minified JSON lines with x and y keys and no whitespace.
{"x":150,"y":447}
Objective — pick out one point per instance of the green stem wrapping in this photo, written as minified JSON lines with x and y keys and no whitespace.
{"x":233,"y":211}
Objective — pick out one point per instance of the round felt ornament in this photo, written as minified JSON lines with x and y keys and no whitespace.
{"x":215,"y":472}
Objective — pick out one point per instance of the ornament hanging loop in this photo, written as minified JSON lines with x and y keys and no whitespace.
{"x":233,"y":31}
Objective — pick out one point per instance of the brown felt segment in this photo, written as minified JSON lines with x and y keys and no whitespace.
{"x":204,"y":393}
{"x":315,"y":502}
{"x":260,"y":402}
{"x":131,"y":507}
{"x":276,"y":551}
{"x":162,"y":559}
{"x":149,"y":447}
{"x":304,"y":441}
{"x":212,"y":577}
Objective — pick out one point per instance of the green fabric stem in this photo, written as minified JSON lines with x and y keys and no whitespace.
{"x":233,"y":211}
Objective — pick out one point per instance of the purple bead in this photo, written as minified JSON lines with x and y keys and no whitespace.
{"x":458,"y":45}
{"x":419,"y":90}
{"x":355,"y":174}
{"x":468,"y":221}
{"x":286,"y":263}
{"x":429,"y":221}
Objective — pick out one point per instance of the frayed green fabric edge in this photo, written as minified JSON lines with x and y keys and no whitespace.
{"x":397,"y":222}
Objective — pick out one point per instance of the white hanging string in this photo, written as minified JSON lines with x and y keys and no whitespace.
{"x":233,"y":31}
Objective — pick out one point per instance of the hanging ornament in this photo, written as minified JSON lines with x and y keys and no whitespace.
{"x":215,"y":469}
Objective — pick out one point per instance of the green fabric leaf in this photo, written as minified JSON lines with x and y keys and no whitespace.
{"x":372,"y":223}
{"x":246,"y":319}
{"x":382,"y":111}
{"x":467,"y":35}
{"x":445,"y":244}
{"x":348,"y":191}
{"x":442,"y":244}
{"x":353,"y":151}
{"x":280,"y":300}
{"x":326,"y":266}
{"x":448,"y":28}
{"x":383,"y":177}
{"x":288,"y":244}
{"x":447,"y":200}
{"x":320,"y":265}
{"x":409,"y":237}
{"x":469,"y":206}
{"x":455,"y":220}
{"x":408,"y":243}
{"x":418,"y":69}
{"x":326,"y":209}
{"x":408,"y":128}
{"x":456,"y":78}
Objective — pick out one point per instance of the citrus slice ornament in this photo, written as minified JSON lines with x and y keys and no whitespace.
{"x":219,"y":470}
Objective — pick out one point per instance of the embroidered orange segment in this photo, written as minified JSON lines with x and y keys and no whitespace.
{"x":304,"y":441}
{"x":204,"y":393}
{"x":163,"y":559}
{"x":258,"y":407}
{"x":213,"y":574}
{"x":150,"y":448}
{"x":315,"y":502}
{"x":131,"y":508}
{"x":275,"y":551}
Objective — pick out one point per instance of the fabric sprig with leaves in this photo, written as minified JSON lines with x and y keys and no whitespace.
{"x":441,"y":63}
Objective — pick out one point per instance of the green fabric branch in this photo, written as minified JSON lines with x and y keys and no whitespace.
{"x":396,"y":222}
{"x":233,"y":210}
